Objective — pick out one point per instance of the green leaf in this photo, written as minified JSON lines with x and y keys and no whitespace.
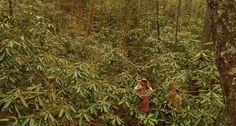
{"x":80,"y":121}
{"x":32,"y":122}
{"x":234,"y":70}
{"x":53,"y":96}
{"x":18,"y":112}
{"x":4,"y":120}
{"x":68,"y":116}
{"x":113,"y":122}
{"x":26,"y":121}
{"x":173,"y":124}
{"x":24,"y":102}
{"x":61,"y":113}
{"x":2,"y":56}
{"x":15,"y":123}
{"x":145,"y":121}
{"x":87,"y":117}
{"x":118,"y":121}
{"x":40,"y":101}
{"x":151,"y":123}
{"x":7,"y":104}
{"x":51,"y":117}
{"x":8,"y":52}
{"x":40,"y":122}
{"x":197,"y":122}
{"x":46,"y":117}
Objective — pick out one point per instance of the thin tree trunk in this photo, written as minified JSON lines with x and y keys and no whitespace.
{"x":138,"y":15}
{"x":224,"y":38}
{"x":206,"y":33}
{"x":190,"y":2}
{"x":177,"y":27}
{"x":72,"y":7}
{"x":165,"y":4}
{"x":127,"y":15}
{"x":90,"y":18}
{"x":158,"y":20}
{"x":195,"y":8}
{"x":79,"y":14}
{"x":10,"y":7}
{"x":56,"y":18}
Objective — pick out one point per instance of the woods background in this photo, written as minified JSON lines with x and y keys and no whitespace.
{"x":76,"y":62}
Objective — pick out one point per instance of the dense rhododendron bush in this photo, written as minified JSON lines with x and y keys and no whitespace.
{"x":64,"y":77}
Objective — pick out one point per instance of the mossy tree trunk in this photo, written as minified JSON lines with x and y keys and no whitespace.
{"x":223,"y":16}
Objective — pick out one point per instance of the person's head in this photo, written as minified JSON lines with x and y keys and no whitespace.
{"x":142,"y":85}
{"x":174,"y":88}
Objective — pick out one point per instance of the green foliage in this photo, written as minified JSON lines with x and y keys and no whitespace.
{"x":49,"y":76}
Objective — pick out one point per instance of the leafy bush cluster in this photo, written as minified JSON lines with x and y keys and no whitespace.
{"x":48,"y":77}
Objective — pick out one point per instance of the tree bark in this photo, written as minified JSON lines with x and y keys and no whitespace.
{"x":79,"y":14}
{"x":127,"y":15}
{"x":90,"y":18}
{"x":177,"y":27}
{"x":223,"y":17}
{"x":10,"y":7}
{"x":158,"y":21}
{"x":206,"y":32}
{"x":57,"y":17}
{"x":137,"y":14}
{"x":190,"y":2}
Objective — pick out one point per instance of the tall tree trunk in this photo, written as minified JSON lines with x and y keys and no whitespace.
{"x":57,"y":17}
{"x":10,"y":7}
{"x":190,"y":2}
{"x":90,"y":18}
{"x":127,"y":14}
{"x":206,"y":33}
{"x":157,"y":19}
{"x":200,"y":7}
{"x":138,"y":15}
{"x":177,"y":27}
{"x":223,"y":16}
{"x":79,"y":14}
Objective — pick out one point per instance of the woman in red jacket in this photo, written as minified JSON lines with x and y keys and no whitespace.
{"x":142,"y":88}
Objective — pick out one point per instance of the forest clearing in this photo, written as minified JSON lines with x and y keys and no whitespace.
{"x":118,"y":62}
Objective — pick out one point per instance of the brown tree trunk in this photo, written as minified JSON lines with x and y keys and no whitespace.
{"x":158,"y":21}
{"x":127,"y":14}
{"x":90,"y":18}
{"x":224,"y":38}
{"x":79,"y":14}
{"x":189,"y":8}
{"x":164,"y":4}
{"x":177,"y":27}
{"x":138,"y":15}
{"x":206,"y":33}
{"x":10,"y":7}
{"x":57,"y":17}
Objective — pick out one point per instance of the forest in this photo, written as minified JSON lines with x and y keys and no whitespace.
{"x":118,"y":63}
